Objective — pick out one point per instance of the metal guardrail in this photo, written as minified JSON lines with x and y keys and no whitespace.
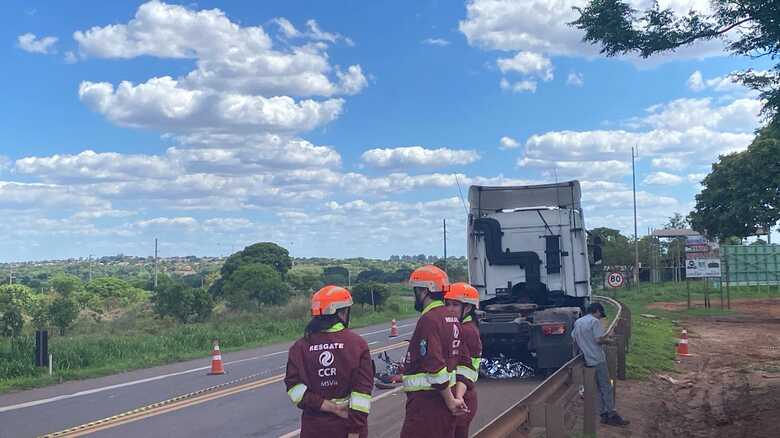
{"x":545,"y":406}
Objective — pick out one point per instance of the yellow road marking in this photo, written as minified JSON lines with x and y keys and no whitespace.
{"x":177,"y":403}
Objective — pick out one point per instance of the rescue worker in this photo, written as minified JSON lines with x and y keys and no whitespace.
{"x":429,"y":366}
{"x":329,"y":371}
{"x":464,"y":298}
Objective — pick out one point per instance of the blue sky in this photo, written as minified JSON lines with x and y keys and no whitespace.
{"x":334,"y":128}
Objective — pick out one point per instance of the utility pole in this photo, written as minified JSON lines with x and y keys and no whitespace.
{"x":636,"y":234}
{"x":445,"y":245}
{"x":155,"y":263}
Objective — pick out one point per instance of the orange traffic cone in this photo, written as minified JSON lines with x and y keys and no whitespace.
{"x":682,"y":344}
{"x":216,"y":360}
{"x":393,"y":329}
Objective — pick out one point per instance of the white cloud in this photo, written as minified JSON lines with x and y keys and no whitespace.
{"x":740,"y":115}
{"x":575,"y":79}
{"x":91,"y":166}
{"x":673,"y":163}
{"x":696,"y":82}
{"x":508,"y":143}
{"x":229,"y":57}
{"x":441,"y":42}
{"x":529,"y":64}
{"x":30,"y":43}
{"x":676,"y":134}
{"x":32,"y":196}
{"x":182,"y":222}
{"x":226,"y":225}
{"x":696,"y":177}
{"x":163,"y":104}
{"x":542,"y":26}
{"x":418,"y":156}
{"x":663,"y":179}
{"x":70,"y":57}
{"x":519,"y":86}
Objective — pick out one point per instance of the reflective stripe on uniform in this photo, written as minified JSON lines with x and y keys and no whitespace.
{"x":424,"y":381}
{"x":468,"y":373}
{"x":360,"y":402}
{"x":453,"y":378}
{"x":340,"y":401}
{"x":296,"y":393}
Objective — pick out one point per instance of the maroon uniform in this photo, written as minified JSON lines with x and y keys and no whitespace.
{"x":468,"y":372}
{"x":429,"y":367}
{"x":333,"y":365}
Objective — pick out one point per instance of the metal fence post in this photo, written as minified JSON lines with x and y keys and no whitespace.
{"x":621,"y":356}
{"x":590,"y":402}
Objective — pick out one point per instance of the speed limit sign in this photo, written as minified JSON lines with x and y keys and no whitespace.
{"x":615,"y":279}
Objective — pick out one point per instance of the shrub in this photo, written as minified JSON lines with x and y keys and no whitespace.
{"x":362,"y":293}
{"x":251,"y":286}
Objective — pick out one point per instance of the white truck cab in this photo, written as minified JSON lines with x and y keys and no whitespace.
{"x":528,"y":257}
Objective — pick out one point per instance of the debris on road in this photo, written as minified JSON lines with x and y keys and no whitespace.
{"x":502,"y":367}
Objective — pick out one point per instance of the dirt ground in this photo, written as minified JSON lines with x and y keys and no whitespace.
{"x":730,"y":387}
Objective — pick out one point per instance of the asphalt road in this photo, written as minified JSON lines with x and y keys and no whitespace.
{"x":252,"y":403}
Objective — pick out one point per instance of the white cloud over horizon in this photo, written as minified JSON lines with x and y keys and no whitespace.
{"x":31,"y":43}
{"x":418,"y":156}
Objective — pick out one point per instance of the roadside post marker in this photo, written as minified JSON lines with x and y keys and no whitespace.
{"x":216,"y":360}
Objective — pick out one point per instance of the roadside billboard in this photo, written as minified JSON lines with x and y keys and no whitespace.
{"x":702,"y":258}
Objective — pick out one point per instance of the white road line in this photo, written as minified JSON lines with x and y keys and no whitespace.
{"x":297,"y":432}
{"x":146,"y":380}
{"x":275,"y":354}
{"x":372,"y":343}
{"x":386,"y":330}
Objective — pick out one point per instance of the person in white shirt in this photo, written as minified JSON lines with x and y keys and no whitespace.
{"x":589,"y":335}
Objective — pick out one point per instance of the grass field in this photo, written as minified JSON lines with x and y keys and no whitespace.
{"x":653,"y":339}
{"x":140,"y":342}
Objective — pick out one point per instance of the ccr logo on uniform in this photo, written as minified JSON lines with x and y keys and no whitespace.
{"x":326,"y":358}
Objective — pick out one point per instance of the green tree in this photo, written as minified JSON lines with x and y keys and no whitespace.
{"x":265,"y":253}
{"x":39,"y":311}
{"x":254,"y":285}
{"x":11,"y":321}
{"x":742,"y":193}
{"x":750,"y":27}
{"x":371,"y":275}
{"x":305,"y":279}
{"x":16,"y":295}
{"x":677,"y":222}
{"x":113,"y":292}
{"x":616,"y":248}
{"x":108,"y":287}
{"x":336,"y":275}
{"x":65,"y":284}
{"x":362,"y":293}
{"x":63,"y":312}
{"x":181,"y":302}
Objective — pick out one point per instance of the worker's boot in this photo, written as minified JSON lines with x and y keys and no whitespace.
{"x":617,"y":420}
{"x":604,"y":418}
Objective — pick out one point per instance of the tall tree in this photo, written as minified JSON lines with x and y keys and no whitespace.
{"x":264,"y":253}
{"x":742,"y":193}
{"x":254,"y":285}
{"x":65,"y":284}
{"x":750,"y":27}
{"x":616,"y":248}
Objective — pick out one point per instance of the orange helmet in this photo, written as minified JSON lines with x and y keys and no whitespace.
{"x":430,"y":277}
{"x":463,"y":292}
{"x":329,"y":299}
